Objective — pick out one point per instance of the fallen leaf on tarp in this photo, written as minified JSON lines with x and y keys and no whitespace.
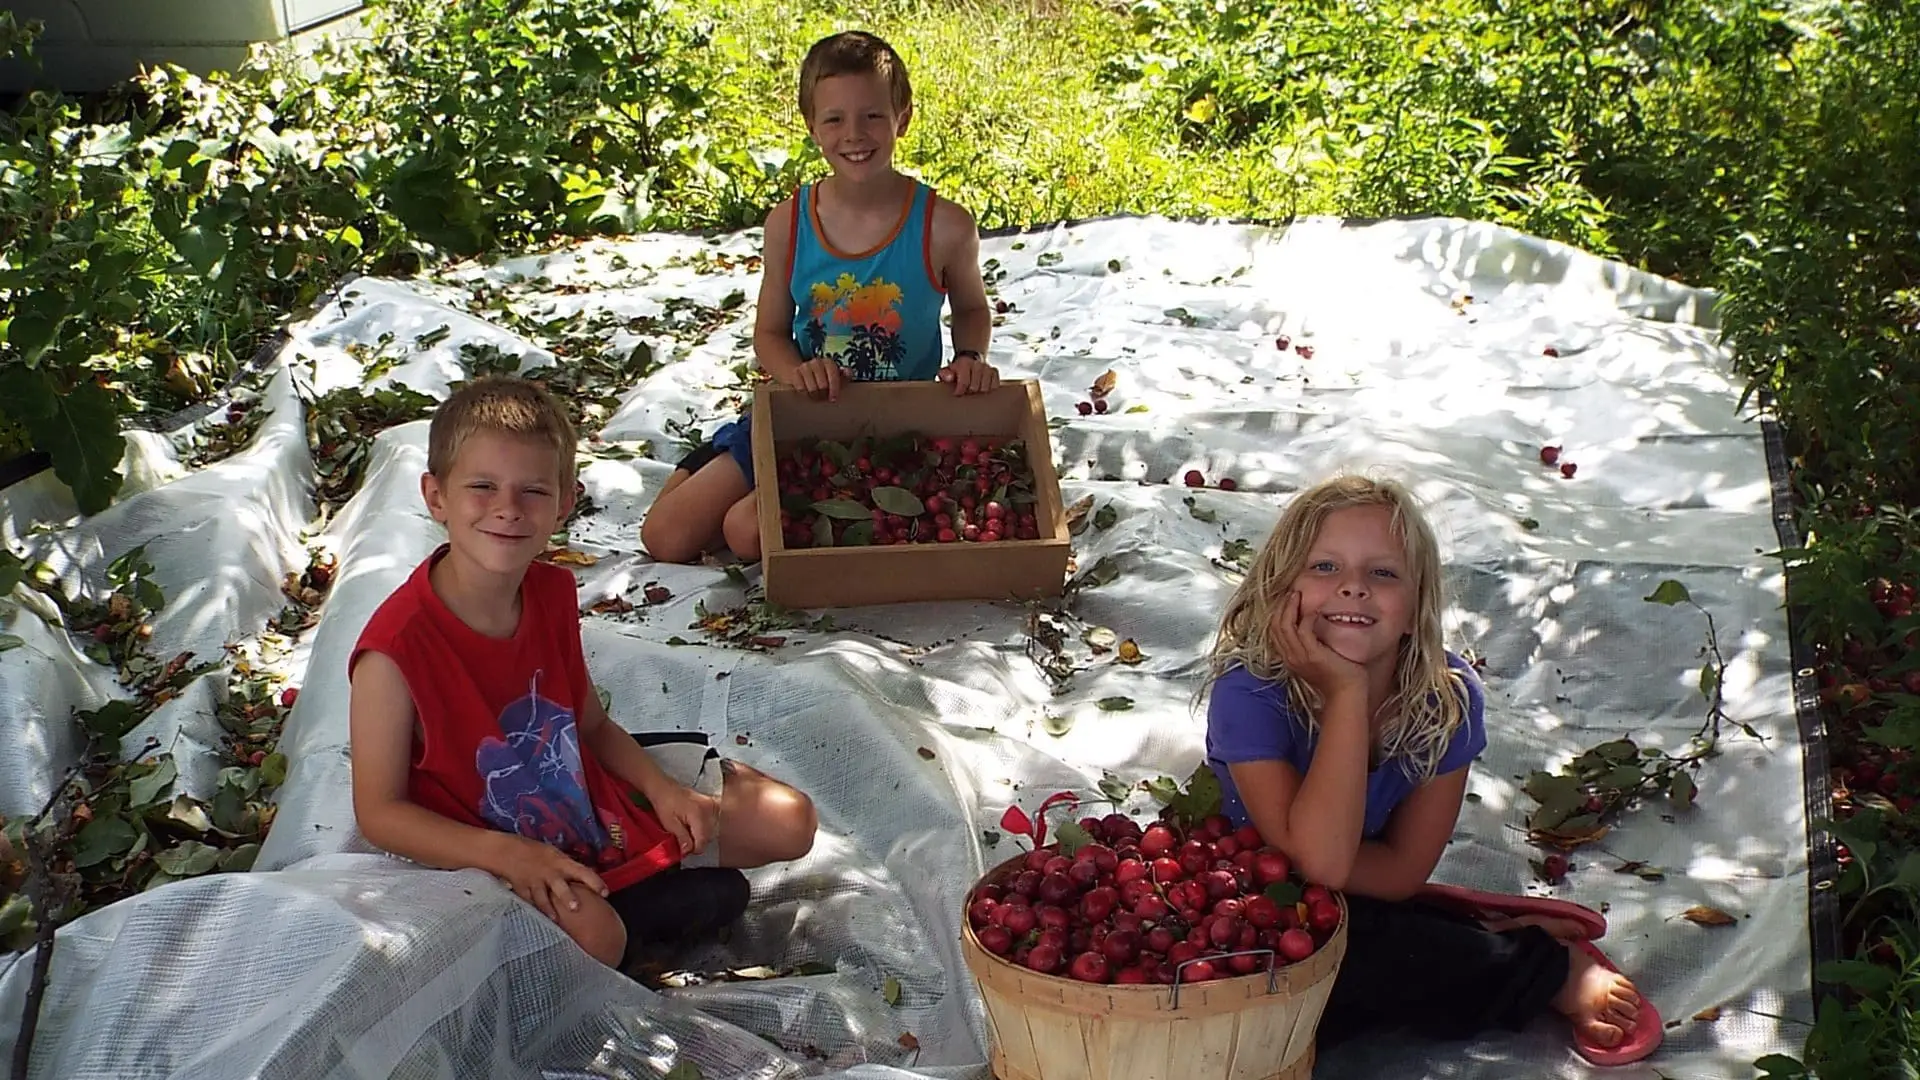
{"x":742,"y":740}
{"x":656,"y":594}
{"x":1708,"y":1015}
{"x":926,"y":753}
{"x":1100,"y":639}
{"x":1115,"y":704}
{"x":1130,"y":653}
{"x":1570,"y":836}
{"x":908,"y":1042}
{"x":1105,"y":517}
{"x":1708,"y":916}
{"x":1104,"y":385}
{"x":1645,"y":872}
{"x":685,"y":1070}
{"x":565,"y":556}
{"x":612,"y":605}
{"x":891,"y":990}
{"x":758,"y":971}
{"x":1077,"y":515}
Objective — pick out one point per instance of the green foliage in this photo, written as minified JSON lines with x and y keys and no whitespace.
{"x":143,"y":254}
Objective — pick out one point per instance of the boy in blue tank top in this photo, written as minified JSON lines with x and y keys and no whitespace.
{"x":855,"y":271}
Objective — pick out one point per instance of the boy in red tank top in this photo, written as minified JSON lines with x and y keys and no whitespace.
{"x":478,"y":739}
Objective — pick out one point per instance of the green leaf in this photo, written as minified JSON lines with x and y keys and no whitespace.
{"x":101,"y":839}
{"x":1115,"y":704}
{"x":1709,"y":680}
{"x":823,"y":531}
{"x":79,"y":428}
{"x":898,"y":500}
{"x":1907,"y":878}
{"x":30,"y":332}
{"x":843,"y":509}
{"x":1200,"y":513}
{"x":1056,"y":724}
{"x":9,"y":642}
{"x":1670,"y":592}
{"x":1681,"y":790}
{"x":684,"y":1069}
{"x":1284,"y":893}
{"x":273,"y":769}
{"x":989,"y":838}
{"x":1861,"y":975}
{"x":858,"y":534}
{"x":1105,"y":517}
{"x":837,"y":452}
{"x":151,"y":786}
{"x":202,"y":247}
{"x":1114,"y":790}
{"x":1780,"y":1067}
{"x":1136,"y":408}
{"x":112,"y":720}
{"x":1618,"y":750}
{"x":1072,"y":837}
{"x":240,"y":859}
{"x":890,"y":990}
{"x":190,"y":858}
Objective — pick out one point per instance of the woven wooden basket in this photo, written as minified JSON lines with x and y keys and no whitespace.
{"x":1250,"y":1027}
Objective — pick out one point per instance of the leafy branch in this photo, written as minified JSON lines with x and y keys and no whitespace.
{"x":1576,"y":804}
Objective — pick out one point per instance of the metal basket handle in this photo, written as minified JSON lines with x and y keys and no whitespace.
{"x":1273,"y":973}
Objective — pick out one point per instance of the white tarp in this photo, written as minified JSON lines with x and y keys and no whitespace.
{"x":332,"y":961}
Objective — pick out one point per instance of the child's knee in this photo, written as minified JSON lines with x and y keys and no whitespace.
{"x":742,"y":533}
{"x":802,"y":823}
{"x":597,"y":928}
{"x":668,"y":539}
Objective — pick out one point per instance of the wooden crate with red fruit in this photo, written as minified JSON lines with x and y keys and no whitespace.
{"x":901,"y":491}
{"x":1157,"y":954}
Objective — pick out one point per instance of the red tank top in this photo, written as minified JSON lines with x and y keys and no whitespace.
{"x":497,"y":746}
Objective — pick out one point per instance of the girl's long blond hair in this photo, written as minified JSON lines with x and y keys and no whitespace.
{"x":1425,"y":709}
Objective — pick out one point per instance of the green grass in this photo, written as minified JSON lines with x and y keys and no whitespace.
{"x":1011,"y":119}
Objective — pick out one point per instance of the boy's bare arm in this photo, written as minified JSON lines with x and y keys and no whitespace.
{"x":691,"y":817}
{"x":381,"y":719}
{"x":773,"y":343}
{"x":958,"y":238}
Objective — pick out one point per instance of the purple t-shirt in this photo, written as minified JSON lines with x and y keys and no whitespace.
{"x":1249,"y":719}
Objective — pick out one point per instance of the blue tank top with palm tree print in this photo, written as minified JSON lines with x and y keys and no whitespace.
{"x":876,"y":312}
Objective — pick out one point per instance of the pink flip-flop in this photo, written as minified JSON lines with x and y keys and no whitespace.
{"x":1643,"y":1039}
{"x":1482,"y":904}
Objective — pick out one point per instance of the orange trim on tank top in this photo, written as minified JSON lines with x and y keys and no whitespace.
{"x":820,"y":233}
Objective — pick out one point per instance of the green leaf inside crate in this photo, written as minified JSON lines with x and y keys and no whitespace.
{"x":823,"y":531}
{"x":836,"y":452}
{"x":844,"y":509}
{"x":898,"y":500}
{"x":858,"y":534}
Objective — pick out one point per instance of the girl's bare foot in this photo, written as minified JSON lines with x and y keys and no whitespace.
{"x":1601,"y":1002}
{"x":1561,"y":929}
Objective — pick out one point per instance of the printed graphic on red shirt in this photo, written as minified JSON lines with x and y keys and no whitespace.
{"x":534,"y":784}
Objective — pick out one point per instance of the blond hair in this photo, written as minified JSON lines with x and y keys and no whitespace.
{"x":503,"y":405}
{"x":854,"y":52}
{"x":1425,"y":708}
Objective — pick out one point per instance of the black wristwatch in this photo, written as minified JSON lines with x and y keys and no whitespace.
{"x":975,"y":353}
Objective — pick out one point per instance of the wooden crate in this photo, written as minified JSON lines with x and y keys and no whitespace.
{"x":1251,"y":1027}
{"x":897,"y":573}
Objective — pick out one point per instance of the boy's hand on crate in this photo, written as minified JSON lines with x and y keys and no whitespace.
{"x":818,"y":378}
{"x":969,"y":374}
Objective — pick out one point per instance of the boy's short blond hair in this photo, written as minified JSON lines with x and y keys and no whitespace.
{"x":854,"y":52}
{"x":504,"y":405}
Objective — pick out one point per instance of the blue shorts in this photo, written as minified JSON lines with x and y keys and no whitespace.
{"x":735,"y":438}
